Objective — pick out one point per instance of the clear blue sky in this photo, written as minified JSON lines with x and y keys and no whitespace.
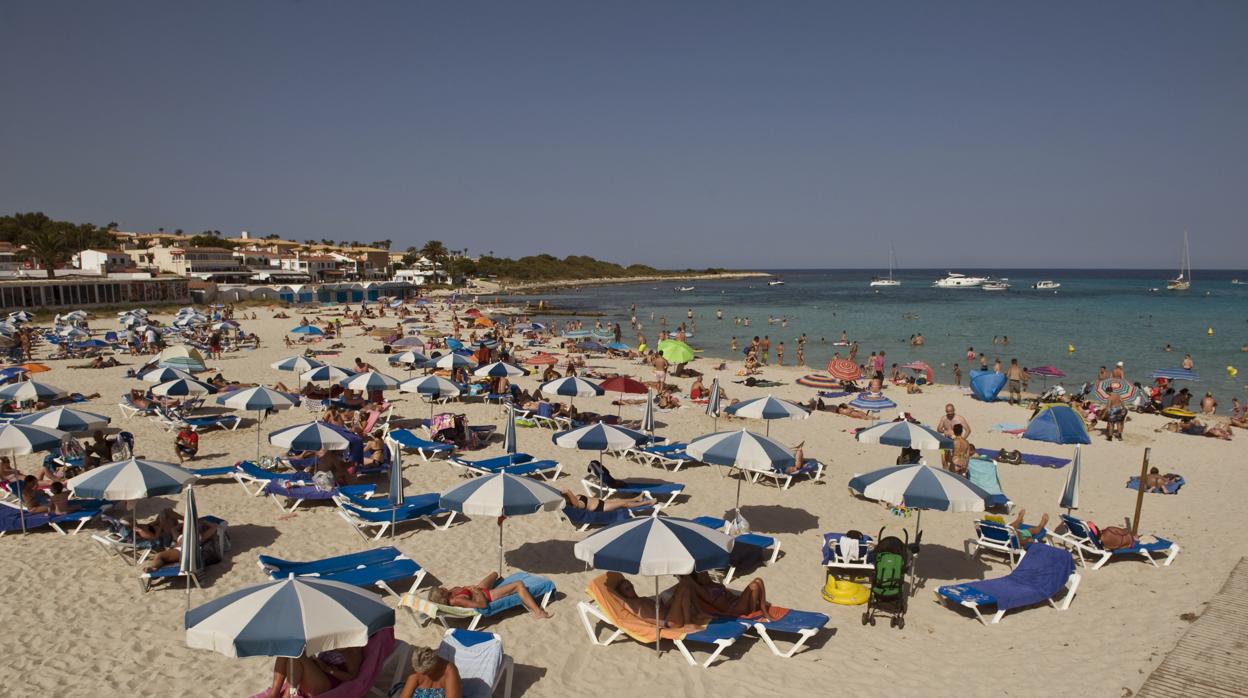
{"x":751,"y":134}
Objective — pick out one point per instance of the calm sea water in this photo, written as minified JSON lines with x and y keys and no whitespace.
{"x":1108,"y":315}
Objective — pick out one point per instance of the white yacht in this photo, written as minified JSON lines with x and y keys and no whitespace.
{"x":955,"y":280}
{"x":684,"y":289}
{"x":776,"y":282}
{"x":890,"y":281}
{"x":995,"y":285}
{"x":1183,"y":281}
{"x":1046,"y":285}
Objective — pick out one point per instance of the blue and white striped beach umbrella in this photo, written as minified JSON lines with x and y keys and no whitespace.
{"x":905,"y":434}
{"x":259,"y":400}
{"x":292,"y":617}
{"x":571,"y":386}
{"x":409,"y":359}
{"x":1175,"y":374}
{"x":310,"y":330}
{"x":326,"y":374}
{"x":453,"y":361}
{"x":191,"y":559}
{"x":430,"y":386}
{"x":498,"y":369}
{"x":743,"y":450}
{"x":598,"y":437}
{"x":1070,"y":493}
{"x":297,"y":364}
{"x":312,"y":436}
{"x":65,"y":419}
{"x":30,"y":391}
{"x":502,"y":494}
{"x":872,"y":402}
{"x":656,"y":546}
{"x":182,"y":387}
{"x":647,"y":417}
{"x":160,"y":374}
{"x":409,"y":342}
{"x":20,"y":439}
{"x":767,"y":408}
{"x":130,"y":479}
{"x":921,"y":487}
{"x":369,"y":381}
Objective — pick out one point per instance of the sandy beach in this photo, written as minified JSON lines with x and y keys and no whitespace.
{"x":80,"y":625}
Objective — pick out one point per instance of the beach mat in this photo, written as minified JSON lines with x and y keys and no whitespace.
{"x":1028,"y":458}
{"x":1172,"y":488}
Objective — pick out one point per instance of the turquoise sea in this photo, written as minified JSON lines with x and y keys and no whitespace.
{"x":1109,"y":315}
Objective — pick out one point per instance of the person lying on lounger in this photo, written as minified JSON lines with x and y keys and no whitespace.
{"x":1027,"y":534}
{"x":677,"y":612}
{"x":752,"y":600}
{"x":173,"y":554}
{"x":580,"y":501}
{"x":431,"y":673}
{"x":799,"y":459}
{"x":316,"y":675}
{"x":482,"y":593}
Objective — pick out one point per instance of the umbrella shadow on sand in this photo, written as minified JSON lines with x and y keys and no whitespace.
{"x":526,"y":676}
{"x":245,"y":537}
{"x":777,"y":519}
{"x":940,"y":562}
{"x":546,"y":557}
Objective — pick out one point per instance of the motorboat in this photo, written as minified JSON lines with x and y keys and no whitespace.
{"x":955,"y":280}
{"x":1237,"y":282}
{"x":890,"y":281}
{"x":1046,"y":285}
{"x":683,"y":289}
{"x":995,"y":285}
{"x":1183,"y":281}
{"x":776,"y":282}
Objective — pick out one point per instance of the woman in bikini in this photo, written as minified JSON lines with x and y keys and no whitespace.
{"x":580,"y":501}
{"x":752,"y":600}
{"x":484,"y":592}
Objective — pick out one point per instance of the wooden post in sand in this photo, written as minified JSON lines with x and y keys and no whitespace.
{"x":1139,"y":495}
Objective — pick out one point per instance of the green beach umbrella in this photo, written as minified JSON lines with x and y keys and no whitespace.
{"x":675,"y":351}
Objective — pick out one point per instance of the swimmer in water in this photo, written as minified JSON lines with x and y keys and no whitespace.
{"x":1168,"y":348}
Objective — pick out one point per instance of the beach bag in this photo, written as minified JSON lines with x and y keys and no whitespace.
{"x":738,"y":525}
{"x":324,"y":481}
{"x":1116,"y":538}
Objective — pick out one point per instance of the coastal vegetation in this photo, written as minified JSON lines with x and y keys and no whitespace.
{"x":48,"y":242}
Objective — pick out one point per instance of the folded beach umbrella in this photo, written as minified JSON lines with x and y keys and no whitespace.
{"x":453,"y":361}
{"x":1175,"y":374}
{"x":310,"y":330}
{"x":1070,"y":493}
{"x":292,"y":617}
{"x":743,"y":450}
{"x":259,"y":400}
{"x":325,"y":374}
{"x":432,"y":387}
{"x":498,"y":369}
{"x":500,"y":495}
{"x":844,"y":370}
{"x":30,"y":391}
{"x":182,"y":387}
{"x":297,"y":364}
{"x":313,"y":436}
{"x":509,"y":433}
{"x":369,"y":381}
{"x":767,"y":408}
{"x":872,"y":402}
{"x":655,"y":546}
{"x":1057,"y":424}
{"x":191,"y":558}
{"x":164,"y":375}
{"x":712,"y":401}
{"x":647,"y":417}
{"x":905,"y":434}
{"x":598,"y":437}
{"x":66,"y":419}
{"x":1119,"y":386}
{"x":675,"y":351}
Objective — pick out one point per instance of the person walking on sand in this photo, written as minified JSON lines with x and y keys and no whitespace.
{"x":765,"y":349}
{"x":780,"y":354}
{"x":1015,"y":375}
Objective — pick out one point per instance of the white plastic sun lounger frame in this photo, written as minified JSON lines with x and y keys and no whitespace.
{"x":1072,"y":585}
{"x":585,"y":609}
{"x":595,"y":489}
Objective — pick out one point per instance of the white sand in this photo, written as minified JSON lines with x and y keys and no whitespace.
{"x":77,"y":623}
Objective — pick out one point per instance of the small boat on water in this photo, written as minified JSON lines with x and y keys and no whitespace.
{"x":955,"y":280}
{"x":682,"y":289}
{"x":1237,"y":282}
{"x":890,"y":281}
{"x":995,"y":285}
{"x":776,"y":282}
{"x":1046,"y":285}
{"x":1183,"y":281}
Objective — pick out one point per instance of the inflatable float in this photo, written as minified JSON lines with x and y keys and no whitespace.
{"x":845,"y":592}
{"x":1178,"y":413}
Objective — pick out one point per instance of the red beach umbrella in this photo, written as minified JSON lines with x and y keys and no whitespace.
{"x":624,"y":384}
{"x":844,"y":370}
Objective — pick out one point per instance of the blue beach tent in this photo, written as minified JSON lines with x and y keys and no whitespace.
{"x":986,"y":385}
{"x":1058,"y":424}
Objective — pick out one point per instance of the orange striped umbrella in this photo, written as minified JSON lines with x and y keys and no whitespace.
{"x":844,"y":369}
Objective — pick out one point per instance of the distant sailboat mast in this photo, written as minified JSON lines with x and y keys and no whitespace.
{"x":1184,"y":279}
{"x":892,"y":261}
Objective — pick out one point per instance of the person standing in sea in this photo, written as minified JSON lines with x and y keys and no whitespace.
{"x":780,"y":354}
{"x":957,"y":375}
{"x":801,"y":354}
{"x":765,"y":347}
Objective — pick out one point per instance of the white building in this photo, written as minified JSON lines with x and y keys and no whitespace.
{"x":422,"y":272}
{"x":103,"y":261}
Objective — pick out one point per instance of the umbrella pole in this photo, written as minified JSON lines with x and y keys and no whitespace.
{"x":1139,"y":495}
{"x":657,"y":632}
{"x":258,"y":413}
{"x":742,"y":474}
{"x":500,"y":547}
{"x":134,"y":533}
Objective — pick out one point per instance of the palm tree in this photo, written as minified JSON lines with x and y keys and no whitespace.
{"x":50,"y":246}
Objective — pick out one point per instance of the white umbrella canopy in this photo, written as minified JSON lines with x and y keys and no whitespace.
{"x":30,"y":391}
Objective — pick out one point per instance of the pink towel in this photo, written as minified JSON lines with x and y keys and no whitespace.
{"x":379,"y":648}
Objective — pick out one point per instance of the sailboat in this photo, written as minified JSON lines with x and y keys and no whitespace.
{"x":1184,"y":280}
{"x":892,"y":262}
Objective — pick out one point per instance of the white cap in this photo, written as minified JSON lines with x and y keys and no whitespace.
{"x":1120,"y":363}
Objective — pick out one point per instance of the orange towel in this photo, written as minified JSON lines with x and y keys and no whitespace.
{"x":603,"y":590}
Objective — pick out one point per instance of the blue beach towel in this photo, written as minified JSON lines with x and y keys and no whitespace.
{"x":1172,"y":488}
{"x":1041,"y":573}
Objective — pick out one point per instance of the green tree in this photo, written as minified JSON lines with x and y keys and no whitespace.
{"x":48,"y":242}
{"x":437,"y":253}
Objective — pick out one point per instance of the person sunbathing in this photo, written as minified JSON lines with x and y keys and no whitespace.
{"x":100,"y":362}
{"x":375,"y":451}
{"x":484,"y":592}
{"x":580,"y":501}
{"x":58,"y":500}
{"x":679,"y":611}
{"x":667,"y":401}
{"x":1194,"y":427}
{"x":432,"y":676}
{"x":1154,"y":481}
{"x":799,"y":459}
{"x":316,"y":675}
{"x":725,"y":602}
{"x":1027,"y":534}
{"x":845,"y":410}
{"x":172,"y":555}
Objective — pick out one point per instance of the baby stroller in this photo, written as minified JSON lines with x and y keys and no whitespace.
{"x":889,"y":590}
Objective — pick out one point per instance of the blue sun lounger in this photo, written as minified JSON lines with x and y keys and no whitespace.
{"x":425,"y":448}
{"x":582,"y":519}
{"x":1043,"y":572}
{"x":11,"y":518}
{"x":804,"y":624}
{"x":599,"y":483}
{"x":1171,"y":488}
{"x":744,"y":545}
{"x":1079,"y":536}
{"x":220,"y":546}
{"x":364,"y":514}
{"x":378,"y":567}
{"x":998,"y":538}
{"x":540,"y":588}
{"x":217,"y":471}
{"x":300,"y":493}
{"x":517,"y":464}
{"x":248,"y":473}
